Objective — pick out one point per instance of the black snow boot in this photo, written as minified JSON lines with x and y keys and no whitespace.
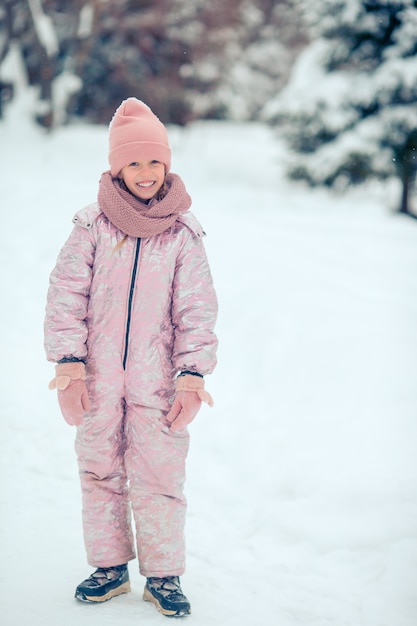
{"x":166,"y":594}
{"x":103,"y":584}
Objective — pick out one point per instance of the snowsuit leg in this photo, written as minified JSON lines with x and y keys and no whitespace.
{"x":100,"y":446}
{"x":128,"y":458}
{"x":155,"y":464}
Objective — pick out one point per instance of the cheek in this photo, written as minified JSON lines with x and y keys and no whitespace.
{"x":127,"y":179}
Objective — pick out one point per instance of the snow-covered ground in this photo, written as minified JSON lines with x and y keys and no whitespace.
{"x":302,"y":480}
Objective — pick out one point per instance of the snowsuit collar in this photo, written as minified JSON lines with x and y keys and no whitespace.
{"x":136,"y":218}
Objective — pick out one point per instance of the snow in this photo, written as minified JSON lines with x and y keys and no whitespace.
{"x":85,"y":26}
{"x":348,"y":108}
{"x":302,"y":482}
{"x":44,"y":28}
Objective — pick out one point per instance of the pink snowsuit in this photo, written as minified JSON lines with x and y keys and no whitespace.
{"x":138,"y":314}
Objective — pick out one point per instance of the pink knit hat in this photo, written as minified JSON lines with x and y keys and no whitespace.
{"x":136,"y":134}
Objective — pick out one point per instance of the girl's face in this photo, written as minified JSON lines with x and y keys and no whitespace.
{"x":144,"y":178}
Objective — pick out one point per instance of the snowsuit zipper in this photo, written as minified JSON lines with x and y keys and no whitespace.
{"x":130,"y":302}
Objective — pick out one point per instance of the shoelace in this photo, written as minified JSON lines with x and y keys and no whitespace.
{"x":103,"y":575}
{"x":161,"y":585}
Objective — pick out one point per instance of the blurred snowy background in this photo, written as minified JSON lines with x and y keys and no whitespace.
{"x":293,"y":125}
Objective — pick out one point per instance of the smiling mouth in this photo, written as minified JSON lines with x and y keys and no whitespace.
{"x":147,"y":184}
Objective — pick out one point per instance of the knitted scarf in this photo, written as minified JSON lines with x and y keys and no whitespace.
{"x":136,"y":218}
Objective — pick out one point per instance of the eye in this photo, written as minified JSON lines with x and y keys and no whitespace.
{"x":155,"y":162}
{"x":133,"y":164}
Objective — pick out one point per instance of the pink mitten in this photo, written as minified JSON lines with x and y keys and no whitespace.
{"x":187,"y":402}
{"x":72,"y":392}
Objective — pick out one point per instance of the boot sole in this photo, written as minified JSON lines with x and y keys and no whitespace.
{"x":125,"y":588}
{"x":148,"y":597}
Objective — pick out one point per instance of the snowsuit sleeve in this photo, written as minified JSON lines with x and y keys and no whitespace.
{"x":68,"y":297}
{"x":194,"y":310}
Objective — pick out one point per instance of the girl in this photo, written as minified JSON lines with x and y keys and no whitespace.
{"x":129,"y":321}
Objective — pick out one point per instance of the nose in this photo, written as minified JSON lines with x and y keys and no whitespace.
{"x":145,"y":168}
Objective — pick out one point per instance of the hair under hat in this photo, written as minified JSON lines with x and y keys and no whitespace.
{"x":136,"y":134}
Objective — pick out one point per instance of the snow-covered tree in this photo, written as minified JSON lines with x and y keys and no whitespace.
{"x":244,"y":56}
{"x":349,"y":111}
{"x":30,"y":27}
{"x":187,"y":59}
{"x":129,"y":52}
